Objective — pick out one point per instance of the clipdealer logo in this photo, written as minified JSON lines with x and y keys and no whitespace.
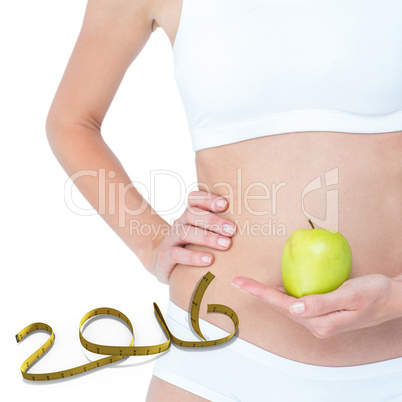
{"x":112,"y":199}
{"x":331,"y":220}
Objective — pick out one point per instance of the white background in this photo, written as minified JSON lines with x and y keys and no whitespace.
{"x":57,"y":265}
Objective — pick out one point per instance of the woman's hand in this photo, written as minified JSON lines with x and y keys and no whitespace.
{"x":360,"y":302}
{"x":199,"y":224}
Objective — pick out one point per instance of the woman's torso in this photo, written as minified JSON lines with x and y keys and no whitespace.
{"x":365,"y":202}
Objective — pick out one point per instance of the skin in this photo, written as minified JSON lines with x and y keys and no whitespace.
{"x":358,"y":323}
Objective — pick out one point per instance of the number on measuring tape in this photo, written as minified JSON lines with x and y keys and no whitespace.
{"x":116,"y":353}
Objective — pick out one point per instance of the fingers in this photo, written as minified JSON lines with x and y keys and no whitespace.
{"x":241,"y":280}
{"x":324,"y":315}
{"x":199,"y":224}
{"x":321,"y":304}
{"x":306,"y":306}
{"x":180,"y":255}
{"x":207,"y":201}
{"x":202,"y":209}
{"x":186,"y":234}
{"x":206,"y":220}
{"x":270,"y":294}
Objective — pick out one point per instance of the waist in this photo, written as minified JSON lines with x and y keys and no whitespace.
{"x":348,"y":183}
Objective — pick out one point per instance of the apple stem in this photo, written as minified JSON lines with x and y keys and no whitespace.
{"x":311,"y":223}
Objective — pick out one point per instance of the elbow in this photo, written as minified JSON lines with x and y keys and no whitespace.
{"x":60,"y":131}
{"x":55,"y":122}
{"x":68,"y":137}
{"x":52,"y":127}
{"x":60,"y":135}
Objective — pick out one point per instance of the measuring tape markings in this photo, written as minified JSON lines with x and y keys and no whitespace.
{"x":117,"y":353}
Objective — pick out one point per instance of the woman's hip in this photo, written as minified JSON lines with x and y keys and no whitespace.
{"x":239,"y":370}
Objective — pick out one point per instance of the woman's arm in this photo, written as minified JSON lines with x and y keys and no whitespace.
{"x":112,"y":35}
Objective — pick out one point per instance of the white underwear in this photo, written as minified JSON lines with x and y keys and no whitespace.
{"x":240,"y":371}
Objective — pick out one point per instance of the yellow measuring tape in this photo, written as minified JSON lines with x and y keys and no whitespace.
{"x":119,"y":352}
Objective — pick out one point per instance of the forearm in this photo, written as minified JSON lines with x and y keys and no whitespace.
{"x":102,"y":180}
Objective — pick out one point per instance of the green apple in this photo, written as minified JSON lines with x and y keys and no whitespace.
{"x":315,"y":260}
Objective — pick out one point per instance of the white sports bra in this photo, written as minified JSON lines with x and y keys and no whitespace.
{"x":251,"y":68}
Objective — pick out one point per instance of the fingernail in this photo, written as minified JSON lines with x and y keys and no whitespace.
{"x":238,"y":287}
{"x":228,"y":229}
{"x":297,"y":308}
{"x":223,"y":241}
{"x":206,"y":258}
{"x":221,"y":203}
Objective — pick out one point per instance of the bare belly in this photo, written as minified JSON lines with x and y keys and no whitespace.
{"x":365,"y":205}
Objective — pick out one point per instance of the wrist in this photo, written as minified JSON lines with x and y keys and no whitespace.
{"x":148,"y":254}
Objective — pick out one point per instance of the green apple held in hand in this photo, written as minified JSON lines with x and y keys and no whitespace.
{"x":315,"y":261}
